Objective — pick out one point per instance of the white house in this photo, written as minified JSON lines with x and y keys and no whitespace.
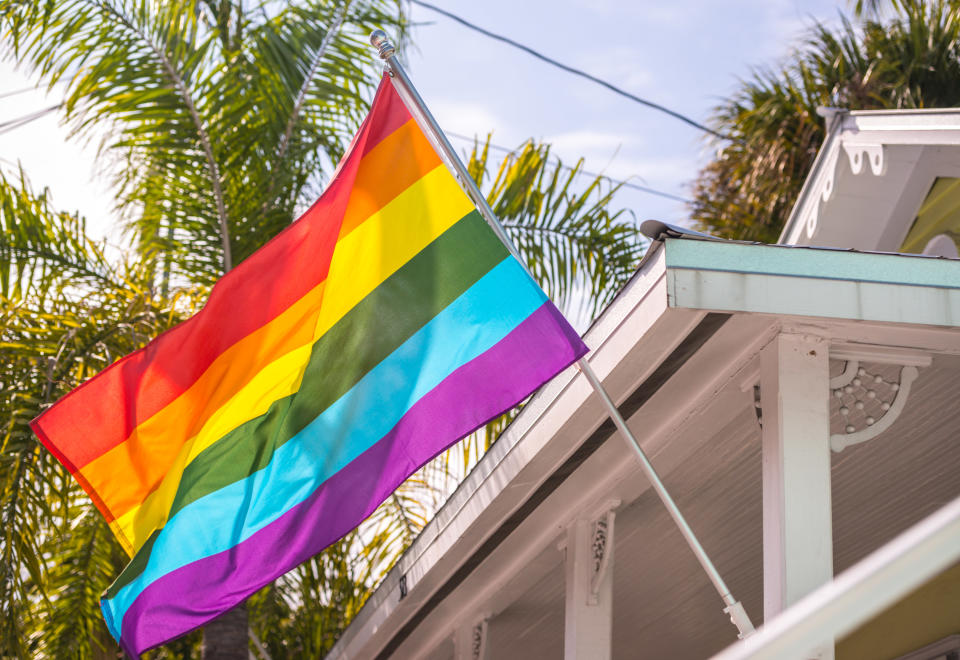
{"x":801,"y":405}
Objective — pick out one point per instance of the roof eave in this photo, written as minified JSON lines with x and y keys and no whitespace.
{"x":859,"y":134}
{"x":682,"y":282}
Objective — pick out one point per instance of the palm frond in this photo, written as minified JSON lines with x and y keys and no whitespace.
{"x":302,"y":614}
{"x":578,"y":248}
{"x":65,"y":314}
{"x":220,"y":119}
{"x":42,"y":250}
{"x":72,"y":623}
{"x":911,"y":60}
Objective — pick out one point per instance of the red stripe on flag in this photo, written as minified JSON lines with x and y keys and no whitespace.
{"x":391,"y":113}
{"x":103,"y":411}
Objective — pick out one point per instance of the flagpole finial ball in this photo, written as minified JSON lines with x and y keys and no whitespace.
{"x":382,"y":43}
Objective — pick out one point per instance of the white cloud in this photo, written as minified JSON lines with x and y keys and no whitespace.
{"x":465,"y":118}
{"x":785,"y":23}
{"x":619,"y":65}
{"x":641,"y":13}
{"x":588,"y":142}
{"x":657,"y":172}
{"x":50,"y":159}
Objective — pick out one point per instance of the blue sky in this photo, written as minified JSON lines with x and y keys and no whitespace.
{"x":685,"y":54}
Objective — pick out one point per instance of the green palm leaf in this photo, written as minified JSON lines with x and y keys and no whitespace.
{"x":217,"y":121}
{"x":909,"y":61}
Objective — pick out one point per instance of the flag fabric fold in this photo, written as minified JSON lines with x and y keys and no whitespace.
{"x":381,"y":327}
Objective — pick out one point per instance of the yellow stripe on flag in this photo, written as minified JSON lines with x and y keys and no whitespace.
{"x":363,"y":259}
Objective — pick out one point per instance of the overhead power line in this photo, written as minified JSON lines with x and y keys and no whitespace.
{"x":12,"y":124}
{"x":4,"y":95}
{"x":625,"y":184}
{"x":569,"y":69}
{"x":7,"y":126}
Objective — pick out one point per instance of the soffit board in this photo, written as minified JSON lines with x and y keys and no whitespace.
{"x":820,"y":283}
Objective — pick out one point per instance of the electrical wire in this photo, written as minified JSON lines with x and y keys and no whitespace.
{"x":569,"y":69}
{"x":17,"y":91}
{"x":7,"y":126}
{"x":625,"y":184}
{"x":13,"y":124}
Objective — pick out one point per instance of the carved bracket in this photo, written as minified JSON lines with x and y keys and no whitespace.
{"x":478,"y":640}
{"x":869,"y":403}
{"x":825,"y":183}
{"x":601,"y":545}
{"x":823,"y":191}
{"x":871,"y":153}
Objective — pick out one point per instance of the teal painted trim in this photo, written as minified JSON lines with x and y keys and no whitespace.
{"x":814,"y":263}
{"x":793,"y":296}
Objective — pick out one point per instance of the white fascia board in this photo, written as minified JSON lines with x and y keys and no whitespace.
{"x":817,"y":187}
{"x":930,"y":126}
{"x":809,"y":282}
{"x":864,"y":590}
{"x":524,"y":454}
{"x":869,"y":130}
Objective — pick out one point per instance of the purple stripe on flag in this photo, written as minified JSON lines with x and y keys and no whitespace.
{"x":189,"y":597}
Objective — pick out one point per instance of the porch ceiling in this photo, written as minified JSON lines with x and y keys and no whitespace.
{"x":663,"y":604}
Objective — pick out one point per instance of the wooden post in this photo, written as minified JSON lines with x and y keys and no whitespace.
{"x":797,"y":517}
{"x":588,"y":613}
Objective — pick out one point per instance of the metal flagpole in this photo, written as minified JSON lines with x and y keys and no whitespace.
{"x":435,"y":135}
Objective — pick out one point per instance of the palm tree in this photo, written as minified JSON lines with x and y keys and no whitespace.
{"x":67,"y":312}
{"x":911,"y":60}
{"x":220,"y":113}
{"x":287,"y":84}
{"x":220,"y":120}
{"x":55,"y":335}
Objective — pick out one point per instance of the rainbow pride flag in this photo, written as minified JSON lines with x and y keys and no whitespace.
{"x":382,"y":326}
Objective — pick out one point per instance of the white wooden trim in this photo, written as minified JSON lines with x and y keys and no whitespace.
{"x":936,"y":651}
{"x":797,"y":514}
{"x":800,"y":296}
{"x":900,"y":130}
{"x":470,"y":641}
{"x":588,"y":616}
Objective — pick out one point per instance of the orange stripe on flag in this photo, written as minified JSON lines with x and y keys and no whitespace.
{"x":383,"y":175}
{"x":392,"y":166}
{"x":104,"y":411}
{"x":146,"y":455}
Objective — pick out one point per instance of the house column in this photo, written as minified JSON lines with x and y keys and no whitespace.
{"x":588,"y":621}
{"x":797,"y":516}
